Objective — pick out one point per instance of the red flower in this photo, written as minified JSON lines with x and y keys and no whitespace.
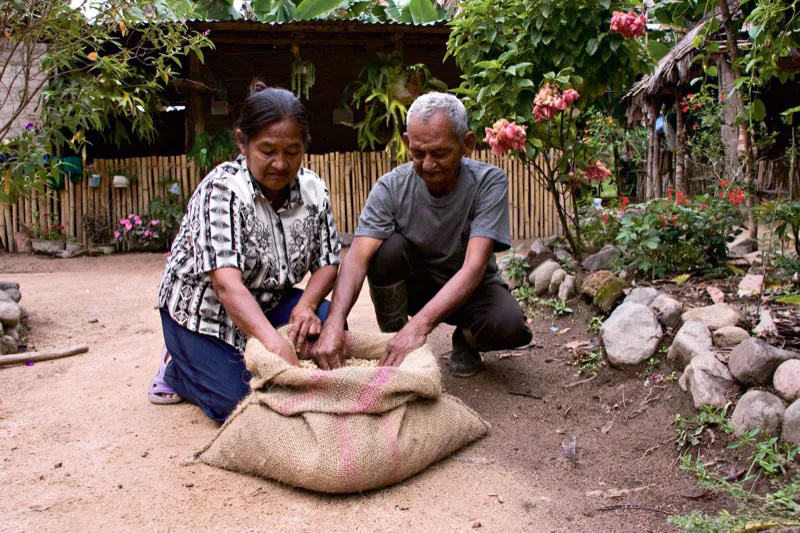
{"x":666,"y":223}
{"x":660,"y":217}
{"x":724,"y":183}
{"x":605,"y":219}
{"x":675,"y":223}
{"x":669,"y":194}
{"x":630,"y":25}
{"x":721,"y":195}
{"x":597,"y":171}
{"x":703,"y":206}
{"x":505,"y":136}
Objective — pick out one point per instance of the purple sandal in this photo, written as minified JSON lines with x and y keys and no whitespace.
{"x":159,"y":389}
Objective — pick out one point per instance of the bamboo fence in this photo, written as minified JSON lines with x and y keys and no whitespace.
{"x":350,"y":177}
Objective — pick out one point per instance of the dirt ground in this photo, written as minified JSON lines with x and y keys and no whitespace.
{"x":83,"y":450}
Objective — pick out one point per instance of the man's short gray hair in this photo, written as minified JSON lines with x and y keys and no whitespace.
{"x":429,"y":104}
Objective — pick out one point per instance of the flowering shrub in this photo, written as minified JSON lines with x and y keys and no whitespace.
{"x":597,"y":227}
{"x":505,"y":136}
{"x":142,"y":231}
{"x":630,"y":25}
{"x":596,"y":171}
{"x":51,"y":230}
{"x":678,"y":234}
{"x":550,"y":100}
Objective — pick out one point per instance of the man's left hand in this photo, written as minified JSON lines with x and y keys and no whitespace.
{"x":305,"y":325}
{"x":412,"y":336}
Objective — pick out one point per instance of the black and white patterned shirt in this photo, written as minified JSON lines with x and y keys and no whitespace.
{"x":230,"y":223}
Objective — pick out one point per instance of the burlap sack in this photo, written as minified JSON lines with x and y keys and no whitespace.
{"x":344,"y":430}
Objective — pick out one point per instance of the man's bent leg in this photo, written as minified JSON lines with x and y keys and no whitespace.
{"x":493,"y":320}
{"x":388,"y":282}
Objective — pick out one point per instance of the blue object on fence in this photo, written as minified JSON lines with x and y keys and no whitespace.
{"x":94,"y":180}
{"x":660,"y":124}
{"x":174,"y":189}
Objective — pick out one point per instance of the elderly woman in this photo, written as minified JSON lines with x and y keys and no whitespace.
{"x":253,"y":229}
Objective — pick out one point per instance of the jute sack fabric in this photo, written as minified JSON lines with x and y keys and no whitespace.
{"x":344,"y":430}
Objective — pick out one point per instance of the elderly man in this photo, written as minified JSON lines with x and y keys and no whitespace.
{"x":426,"y":241}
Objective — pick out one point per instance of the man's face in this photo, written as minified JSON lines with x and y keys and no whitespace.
{"x":436,"y":151}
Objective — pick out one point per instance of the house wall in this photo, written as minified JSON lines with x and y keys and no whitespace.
{"x":12,"y":85}
{"x":234,"y":66}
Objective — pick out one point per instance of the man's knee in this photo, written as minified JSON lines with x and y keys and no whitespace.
{"x":391,"y":263}
{"x":503,"y":327}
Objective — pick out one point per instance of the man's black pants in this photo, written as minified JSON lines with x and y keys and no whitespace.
{"x":491,"y":314}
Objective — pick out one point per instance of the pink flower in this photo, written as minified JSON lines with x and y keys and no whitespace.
{"x":630,"y":25}
{"x":505,"y":136}
{"x":137,"y":221}
{"x":117,"y":235}
{"x":148,"y":233}
{"x":131,"y":216}
{"x":123,"y":220}
{"x":597,"y":171}
{"x":154,"y":222}
{"x":550,"y":100}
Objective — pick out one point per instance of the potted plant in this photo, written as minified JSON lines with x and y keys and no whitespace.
{"x":140,"y":233}
{"x":74,"y":247}
{"x":96,"y":224}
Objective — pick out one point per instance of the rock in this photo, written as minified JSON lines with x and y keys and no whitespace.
{"x":630,"y":335}
{"x":564,"y":258}
{"x":568,"y":288}
{"x":14,"y":294}
{"x":743,"y":245}
{"x":786,"y":380}
{"x":713,"y":316}
{"x":4,"y":297}
{"x":751,"y":285}
{"x":758,"y":410}
{"x":717,"y":296}
{"x":15,"y":332}
{"x":707,"y":380}
{"x":555,"y":281}
{"x":8,"y":285}
{"x":9,"y":345}
{"x":693,"y":339}
{"x":791,"y":423}
{"x":754,"y":361}
{"x":668,"y":309}
{"x":539,"y":253}
{"x":754,"y":258}
{"x":10,"y":314}
{"x":730,"y":336}
{"x":609,"y":294}
{"x":594,"y":281}
{"x":540,"y":277}
{"x":642,"y":295}
{"x":603,"y":259}
{"x":766,"y":326}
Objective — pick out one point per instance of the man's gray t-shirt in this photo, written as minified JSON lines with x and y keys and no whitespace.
{"x":440,"y":228}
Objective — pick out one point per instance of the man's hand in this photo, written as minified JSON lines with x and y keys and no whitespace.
{"x":412,"y":336}
{"x":305,"y":325}
{"x":330,"y":350}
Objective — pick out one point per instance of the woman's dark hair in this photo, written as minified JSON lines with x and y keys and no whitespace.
{"x":268,"y":105}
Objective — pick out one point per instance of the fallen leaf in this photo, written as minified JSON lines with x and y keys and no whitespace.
{"x":607,"y":427}
{"x":680,"y":280}
{"x":792,"y":299}
{"x":564,"y":331}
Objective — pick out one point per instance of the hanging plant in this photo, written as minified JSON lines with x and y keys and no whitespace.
{"x":303,"y":77}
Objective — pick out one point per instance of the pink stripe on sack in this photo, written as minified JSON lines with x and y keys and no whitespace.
{"x":347,"y":448}
{"x":366,"y":398}
{"x":293,"y":403}
{"x":390,"y":428}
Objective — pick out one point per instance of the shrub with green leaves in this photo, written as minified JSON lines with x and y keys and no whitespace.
{"x":680,"y":235}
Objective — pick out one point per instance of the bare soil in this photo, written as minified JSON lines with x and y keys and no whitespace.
{"x":83,"y":449}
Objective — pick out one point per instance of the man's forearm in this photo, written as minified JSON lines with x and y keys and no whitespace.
{"x":345,"y":292}
{"x":450,"y":297}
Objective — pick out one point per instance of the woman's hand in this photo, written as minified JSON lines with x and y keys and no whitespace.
{"x":277,"y":344}
{"x":330,"y":350}
{"x":305,"y":325}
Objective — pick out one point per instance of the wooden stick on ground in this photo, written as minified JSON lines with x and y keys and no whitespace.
{"x":12,"y":359}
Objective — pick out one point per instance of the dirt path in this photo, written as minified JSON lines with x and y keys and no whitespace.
{"x":83,"y":450}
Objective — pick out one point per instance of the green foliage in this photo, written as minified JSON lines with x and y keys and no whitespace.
{"x":777,"y":505}
{"x":786,"y":219}
{"x":97,"y":225}
{"x":526,"y":296}
{"x":516,"y":267}
{"x":598,"y":228}
{"x":558,"y":306}
{"x":672,"y":237}
{"x":210,"y":150}
{"x":588,"y":362}
{"x":508,"y":50}
{"x":385,"y":90}
{"x":410,"y":12}
{"x":105,"y":74}
{"x":169,"y":211}
{"x":690,"y":429}
{"x":594,"y":325}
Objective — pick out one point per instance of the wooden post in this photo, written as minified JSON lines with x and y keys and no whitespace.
{"x":195,"y":115}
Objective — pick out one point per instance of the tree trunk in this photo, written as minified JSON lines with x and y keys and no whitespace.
{"x":731,"y":36}
{"x":731,"y":107}
{"x":680,"y":171}
{"x":652,"y":152}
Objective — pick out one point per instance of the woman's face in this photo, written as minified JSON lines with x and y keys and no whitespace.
{"x":274,"y":154}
